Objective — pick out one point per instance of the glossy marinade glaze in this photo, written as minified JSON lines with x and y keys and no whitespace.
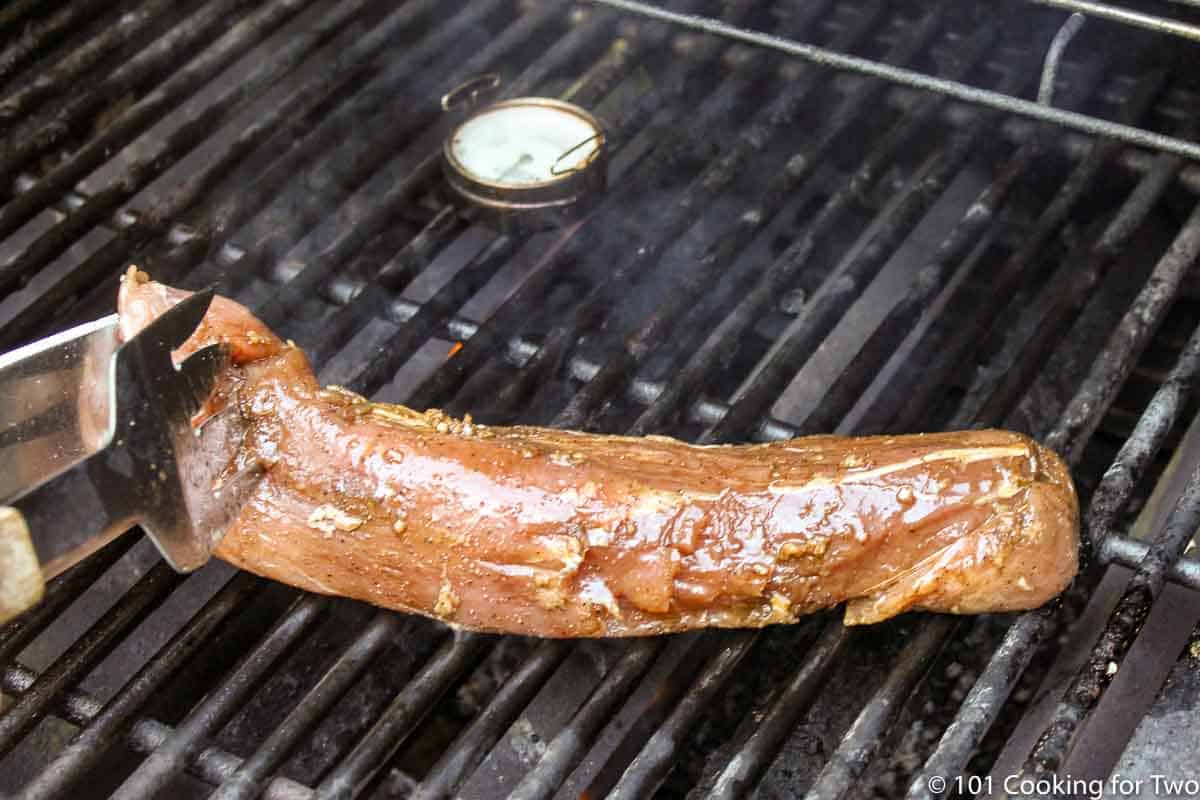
{"x":552,"y":533}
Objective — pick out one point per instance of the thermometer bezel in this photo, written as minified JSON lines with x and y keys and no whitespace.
{"x":561,"y":191}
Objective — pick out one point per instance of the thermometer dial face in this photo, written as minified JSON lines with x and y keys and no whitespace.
{"x":522,"y":145}
{"x":526,"y":153}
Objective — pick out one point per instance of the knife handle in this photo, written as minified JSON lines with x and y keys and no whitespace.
{"x":21,"y":581}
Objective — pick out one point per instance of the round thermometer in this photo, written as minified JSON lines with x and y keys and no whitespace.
{"x":527,"y":154}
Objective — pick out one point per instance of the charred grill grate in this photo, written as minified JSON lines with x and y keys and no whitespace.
{"x":784,"y":249}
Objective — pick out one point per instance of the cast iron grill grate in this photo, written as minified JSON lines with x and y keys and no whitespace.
{"x":784,"y":249}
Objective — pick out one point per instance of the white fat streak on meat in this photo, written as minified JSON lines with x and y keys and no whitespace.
{"x":964,"y":455}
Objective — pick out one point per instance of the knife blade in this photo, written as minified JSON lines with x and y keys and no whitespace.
{"x":147,"y":464}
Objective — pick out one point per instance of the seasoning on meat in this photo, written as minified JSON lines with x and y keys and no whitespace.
{"x":555,"y":533}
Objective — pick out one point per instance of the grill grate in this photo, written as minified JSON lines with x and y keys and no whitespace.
{"x":773,"y":228}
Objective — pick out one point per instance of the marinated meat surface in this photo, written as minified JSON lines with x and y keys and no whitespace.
{"x":553,"y":533}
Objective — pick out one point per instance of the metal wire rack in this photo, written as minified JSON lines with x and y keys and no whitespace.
{"x":950,"y":88}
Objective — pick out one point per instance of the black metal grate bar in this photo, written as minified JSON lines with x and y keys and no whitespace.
{"x":405,"y":712}
{"x":714,"y":179}
{"x":841,"y":287}
{"x":569,"y":745}
{"x":106,"y":261}
{"x":195,"y":130}
{"x":86,"y":652}
{"x":380,"y":217}
{"x":212,"y":764}
{"x":982,"y":705}
{"x":743,"y":770}
{"x":928,"y":283}
{"x":657,"y":757}
{"x":187,"y":740}
{"x":782,"y":272}
{"x":470,"y":747}
{"x":858,"y":746}
{"x":105,"y":728}
{"x":255,"y":772}
{"x":1075,"y":279}
{"x":1129,"y":340}
{"x":446,"y":43}
{"x":935,"y":360}
{"x":373,"y":299}
{"x":1094,"y":678}
{"x":46,"y":34}
{"x":581,"y":240}
{"x":127,"y":28}
{"x":40,"y":136}
{"x":60,"y":593}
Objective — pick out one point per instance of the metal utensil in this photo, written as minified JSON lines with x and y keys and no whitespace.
{"x":97,"y":436}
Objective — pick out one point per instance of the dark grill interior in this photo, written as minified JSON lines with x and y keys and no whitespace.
{"x":783,"y":249}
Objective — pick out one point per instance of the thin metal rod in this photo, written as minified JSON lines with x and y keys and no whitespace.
{"x":1131,"y":552}
{"x":1126,"y":17}
{"x":1054,"y":55}
{"x":997,"y":100}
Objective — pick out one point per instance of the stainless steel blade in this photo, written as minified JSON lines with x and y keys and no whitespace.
{"x":57,"y":404}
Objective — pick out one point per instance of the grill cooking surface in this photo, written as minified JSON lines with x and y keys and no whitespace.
{"x":782,"y":249}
